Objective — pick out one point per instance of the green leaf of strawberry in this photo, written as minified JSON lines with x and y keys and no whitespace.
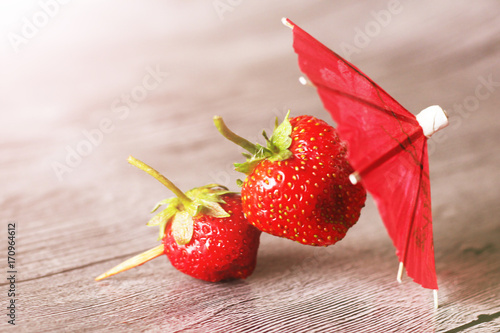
{"x":276,"y":147}
{"x":281,"y":140}
{"x":200,"y":200}
{"x":182,"y":228}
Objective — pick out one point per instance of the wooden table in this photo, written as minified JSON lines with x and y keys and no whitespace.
{"x":95,"y":83}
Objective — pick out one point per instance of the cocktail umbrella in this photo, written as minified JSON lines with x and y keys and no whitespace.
{"x":388,"y":150}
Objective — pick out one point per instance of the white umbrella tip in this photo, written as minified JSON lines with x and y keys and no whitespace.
{"x":305,"y":82}
{"x":400,"y":272}
{"x":436,"y":300}
{"x":354,"y":178}
{"x":287,"y":23}
{"x":432,"y":119}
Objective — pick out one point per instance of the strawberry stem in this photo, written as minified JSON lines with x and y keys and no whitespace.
{"x":231,"y":136}
{"x":186,"y":201}
{"x":133,"y":262}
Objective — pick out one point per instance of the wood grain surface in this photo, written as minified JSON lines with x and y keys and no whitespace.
{"x":89,"y":84}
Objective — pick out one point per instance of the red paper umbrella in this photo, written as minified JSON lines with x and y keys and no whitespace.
{"x":388,"y":149}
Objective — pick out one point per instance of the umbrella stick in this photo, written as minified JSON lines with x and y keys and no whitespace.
{"x":434,"y":291}
{"x":400,"y":272}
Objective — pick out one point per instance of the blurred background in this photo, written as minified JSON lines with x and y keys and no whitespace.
{"x":84,"y":84}
{"x":68,"y":65}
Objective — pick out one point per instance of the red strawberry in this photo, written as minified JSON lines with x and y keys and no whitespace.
{"x":298,"y":186}
{"x":220,"y":248}
{"x":204,"y":233}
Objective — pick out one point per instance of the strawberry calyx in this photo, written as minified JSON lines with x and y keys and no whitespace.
{"x":180,"y":210}
{"x":276,"y":148}
{"x":204,"y":200}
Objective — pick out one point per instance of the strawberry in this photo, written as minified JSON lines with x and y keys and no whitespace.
{"x":220,"y":248}
{"x":203,"y":231}
{"x":298,"y":186}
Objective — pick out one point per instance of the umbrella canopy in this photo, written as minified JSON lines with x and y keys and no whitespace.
{"x":388,"y":149}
